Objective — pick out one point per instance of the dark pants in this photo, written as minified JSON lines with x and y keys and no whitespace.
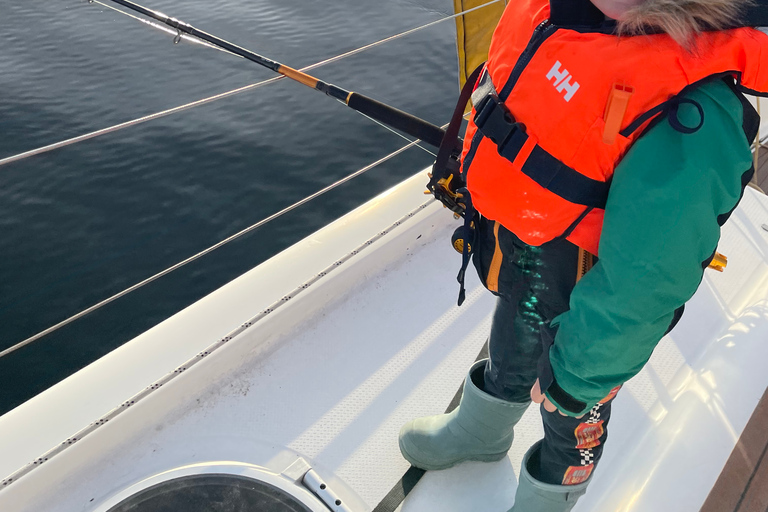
{"x":534,"y":286}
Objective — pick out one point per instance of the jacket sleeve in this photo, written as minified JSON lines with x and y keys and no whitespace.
{"x":669,"y":196}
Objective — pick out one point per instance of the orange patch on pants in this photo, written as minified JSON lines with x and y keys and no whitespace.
{"x":577,"y":474}
{"x":588,"y":435}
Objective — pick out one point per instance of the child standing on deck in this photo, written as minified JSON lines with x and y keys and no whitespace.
{"x":614,"y":128}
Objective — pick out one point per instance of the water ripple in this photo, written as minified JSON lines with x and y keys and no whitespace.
{"x":83,"y":222}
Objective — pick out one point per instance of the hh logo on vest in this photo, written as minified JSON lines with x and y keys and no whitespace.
{"x":563,"y":81}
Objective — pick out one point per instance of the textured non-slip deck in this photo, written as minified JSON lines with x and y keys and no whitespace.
{"x":331,"y":376}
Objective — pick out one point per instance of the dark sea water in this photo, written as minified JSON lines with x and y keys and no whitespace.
{"x":84,"y":222}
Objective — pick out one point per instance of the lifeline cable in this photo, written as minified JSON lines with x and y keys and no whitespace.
{"x":398,"y":134}
{"x":414,"y":143}
{"x":236,"y":235}
{"x":216,"y":345}
{"x":233,"y":92}
{"x":202,"y":253}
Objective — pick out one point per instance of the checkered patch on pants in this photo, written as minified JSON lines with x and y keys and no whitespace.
{"x":572,"y":447}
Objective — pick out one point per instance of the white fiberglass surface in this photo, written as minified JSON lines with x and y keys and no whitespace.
{"x":330,"y":383}
{"x":674,"y":425}
{"x":334,"y":385}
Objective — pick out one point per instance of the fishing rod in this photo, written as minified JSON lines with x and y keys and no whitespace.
{"x":393,"y":117}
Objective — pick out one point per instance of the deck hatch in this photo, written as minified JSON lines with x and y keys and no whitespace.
{"x":226,"y":486}
{"x":206,"y":493}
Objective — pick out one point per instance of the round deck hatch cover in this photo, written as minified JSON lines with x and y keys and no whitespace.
{"x":212,"y":493}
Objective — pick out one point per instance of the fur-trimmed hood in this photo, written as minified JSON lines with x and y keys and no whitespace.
{"x":683,"y":18}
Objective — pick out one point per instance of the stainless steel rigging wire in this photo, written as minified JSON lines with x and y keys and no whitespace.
{"x":206,"y":251}
{"x":210,"y":99}
{"x":197,"y":103}
{"x":397,"y":133}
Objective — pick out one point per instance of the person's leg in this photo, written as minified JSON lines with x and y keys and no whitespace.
{"x":557,"y":470}
{"x":572,"y":447}
{"x":480,"y":428}
{"x":534,"y":286}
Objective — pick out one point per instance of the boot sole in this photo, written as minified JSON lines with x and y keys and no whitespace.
{"x":490,"y":457}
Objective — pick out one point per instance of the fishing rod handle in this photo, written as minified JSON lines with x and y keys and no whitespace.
{"x":395,"y":118}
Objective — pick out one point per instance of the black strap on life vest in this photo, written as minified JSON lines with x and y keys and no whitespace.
{"x":447,"y":161}
{"x":496,"y":123}
{"x":456,"y":196}
{"x":470,"y":236}
{"x":669,"y":109}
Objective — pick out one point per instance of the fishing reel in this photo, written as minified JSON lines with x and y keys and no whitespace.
{"x":461,"y":236}
{"x":448,"y":187}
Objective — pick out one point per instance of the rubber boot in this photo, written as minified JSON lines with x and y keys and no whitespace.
{"x":480,"y":428}
{"x":535,"y":496}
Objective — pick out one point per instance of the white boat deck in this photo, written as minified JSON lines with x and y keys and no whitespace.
{"x":333,"y":372}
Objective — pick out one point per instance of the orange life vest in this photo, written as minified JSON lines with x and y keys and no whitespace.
{"x":557,"y":108}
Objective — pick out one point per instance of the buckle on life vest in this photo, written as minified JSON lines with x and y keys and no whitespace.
{"x":449,"y":189}
{"x":445,"y":180}
{"x":494,"y":121}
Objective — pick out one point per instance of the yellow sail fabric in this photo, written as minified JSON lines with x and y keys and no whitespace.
{"x":473,"y":33}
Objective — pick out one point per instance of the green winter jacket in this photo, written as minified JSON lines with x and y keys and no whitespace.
{"x":661,"y":224}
